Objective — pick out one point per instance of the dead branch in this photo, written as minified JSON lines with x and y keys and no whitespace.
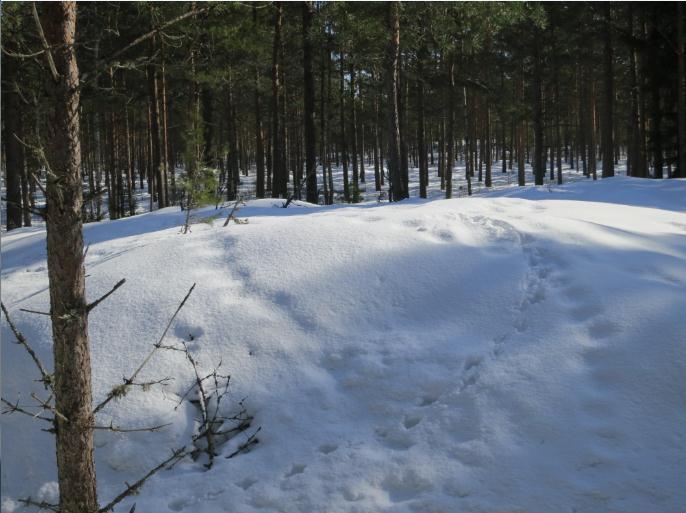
{"x":245,"y":446}
{"x":117,"y":429}
{"x":34,"y":312}
{"x":121,"y":390}
{"x":233,"y":210}
{"x":40,"y":505}
{"x":131,"y":489}
{"x":46,"y":378}
{"x":112,"y":291}
{"x":47,"y":406}
{"x":15,"y":408}
{"x":46,"y":46}
{"x":207,"y":423}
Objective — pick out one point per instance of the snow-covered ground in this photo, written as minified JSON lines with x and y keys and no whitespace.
{"x":519,"y":351}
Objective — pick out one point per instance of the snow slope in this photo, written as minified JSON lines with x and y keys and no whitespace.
{"x":523,"y":351}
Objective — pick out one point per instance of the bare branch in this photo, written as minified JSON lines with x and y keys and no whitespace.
{"x":34,"y":312}
{"x":15,"y":408}
{"x":117,"y":429}
{"x":46,"y":46}
{"x":15,"y":55}
{"x":98,"y":301}
{"x":245,"y":446}
{"x":233,"y":210}
{"x":131,"y":489}
{"x":40,"y":505}
{"x":46,"y":378}
{"x":47,"y":406}
{"x":121,"y":390}
{"x":106,"y":62}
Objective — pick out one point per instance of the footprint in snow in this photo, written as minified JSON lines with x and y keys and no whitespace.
{"x":246,"y":483}
{"x":327,"y":448}
{"x":297,"y":468}
{"x":412,"y":421}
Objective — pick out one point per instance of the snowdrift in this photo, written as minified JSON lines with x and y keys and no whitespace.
{"x":522,"y":351}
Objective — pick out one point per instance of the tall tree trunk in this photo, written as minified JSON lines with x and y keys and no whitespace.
{"x":393,"y":55}
{"x":310,"y":143}
{"x":681,"y":107}
{"x":655,"y":85}
{"x":421,"y":129}
{"x":521,"y":152}
{"x":539,"y":165}
{"x":259,"y":144}
{"x":156,"y":164}
{"x":66,"y":276}
{"x":14,"y":152}
{"x":450,"y":136}
{"x":170,"y":197}
{"x":488,"y":182}
{"x":343,"y":145}
{"x":323,"y":149}
{"x":607,"y":133}
{"x":278,"y":161}
{"x":353,"y":134}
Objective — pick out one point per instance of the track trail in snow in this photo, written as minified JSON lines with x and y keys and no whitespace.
{"x":480,"y":355}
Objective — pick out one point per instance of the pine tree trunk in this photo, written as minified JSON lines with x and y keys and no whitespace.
{"x":539,"y":165}
{"x":72,"y":380}
{"x":310,"y":143}
{"x":607,"y":133}
{"x":450,"y":135}
{"x":259,"y":144}
{"x":392,"y":71}
{"x":487,"y":147}
{"x":344,"y":148}
{"x":421,"y":129}
{"x":14,"y":152}
{"x":277,"y":133}
{"x":681,"y":106}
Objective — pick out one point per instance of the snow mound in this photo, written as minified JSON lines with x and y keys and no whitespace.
{"x":520,"y":351}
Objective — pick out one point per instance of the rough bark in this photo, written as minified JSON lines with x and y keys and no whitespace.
{"x":608,"y":78}
{"x":14,"y":152}
{"x":278,"y":161}
{"x":308,"y":76}
{"x":68,"y":308}
{"x":393,"y":54}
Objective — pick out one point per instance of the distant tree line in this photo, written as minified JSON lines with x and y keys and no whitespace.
{"x":279,"y":89}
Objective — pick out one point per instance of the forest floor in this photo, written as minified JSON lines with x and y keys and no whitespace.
{"x":521,"y":350}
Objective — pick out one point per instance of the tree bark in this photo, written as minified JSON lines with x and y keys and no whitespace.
{"x":278,"y":160}
{"x":681,"y":108}
{"x":14,"y":152}
{"x":607,"y":134}
{"x":310,"y":143}
{"x":393,"y":55}
{"x":68,"y":307}
{"x":539,"y":165}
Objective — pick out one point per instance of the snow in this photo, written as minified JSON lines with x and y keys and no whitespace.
{"x":522,"y":350}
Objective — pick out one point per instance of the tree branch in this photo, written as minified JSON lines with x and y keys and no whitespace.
{"x":46,"y":378}
{"x":46,"y":46}
{"x":131,"y":489}
{"x":98,"y":301}
{"x":121,"y":390}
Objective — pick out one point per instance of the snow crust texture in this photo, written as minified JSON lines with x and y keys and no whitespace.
{"x":523,"y":351}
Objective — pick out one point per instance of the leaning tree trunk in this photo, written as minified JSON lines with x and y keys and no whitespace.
{"x":68,"y":309}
